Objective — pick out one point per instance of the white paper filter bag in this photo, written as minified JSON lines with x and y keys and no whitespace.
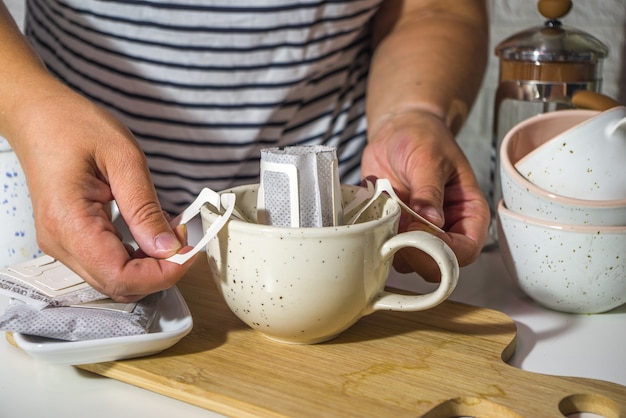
{"x":299,"y":187}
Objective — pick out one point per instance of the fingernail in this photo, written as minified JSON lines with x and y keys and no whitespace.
{"x":181,"y":233}
{"x":432,"y":214}
{"x":167,"y":243}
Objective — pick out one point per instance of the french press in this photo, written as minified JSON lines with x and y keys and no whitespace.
{"x":542,"y":69}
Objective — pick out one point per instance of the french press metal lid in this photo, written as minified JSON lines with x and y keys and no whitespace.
{"x":550,"y":63}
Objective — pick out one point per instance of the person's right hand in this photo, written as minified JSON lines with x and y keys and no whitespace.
{"x":416,"y":151}
{"x":77,"y":159}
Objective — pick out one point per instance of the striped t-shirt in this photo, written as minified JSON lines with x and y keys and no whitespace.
{"x":204,"y":85}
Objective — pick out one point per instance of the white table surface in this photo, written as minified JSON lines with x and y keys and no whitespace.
{"x":548,"y":342}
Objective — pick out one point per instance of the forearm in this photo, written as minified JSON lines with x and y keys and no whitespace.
{"x":23,"y":77}
{"x":429,"y":56}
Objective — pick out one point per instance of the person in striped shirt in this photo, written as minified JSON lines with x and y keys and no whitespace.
{"x":147,"y":102}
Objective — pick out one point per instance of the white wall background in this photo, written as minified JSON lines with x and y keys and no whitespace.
{"x":604,"y":19}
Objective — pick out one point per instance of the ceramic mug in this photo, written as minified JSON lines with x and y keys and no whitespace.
{"x":307,"y":285}
{"x":18,"y":239}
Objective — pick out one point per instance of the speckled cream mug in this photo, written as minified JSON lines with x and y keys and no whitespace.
{"x":18,"y":240}
{"x":307,"y":285}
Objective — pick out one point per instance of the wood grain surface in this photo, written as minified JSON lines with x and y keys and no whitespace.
{"x":444,"y":362}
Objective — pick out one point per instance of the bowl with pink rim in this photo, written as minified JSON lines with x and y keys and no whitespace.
{"x":585,"y":161}
{"x":568,"y":268}
{"x":524,"y":197}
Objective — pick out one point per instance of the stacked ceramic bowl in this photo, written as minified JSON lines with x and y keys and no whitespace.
{"x":562,"y":218}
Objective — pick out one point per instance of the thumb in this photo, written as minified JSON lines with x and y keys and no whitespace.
{"x":427,"y":198}
{"x":148,"y":225}
{"x":139,"y":206}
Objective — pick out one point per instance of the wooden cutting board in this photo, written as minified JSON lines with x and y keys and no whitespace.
{"x":444,"y":362}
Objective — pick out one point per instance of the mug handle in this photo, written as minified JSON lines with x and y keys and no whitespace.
{"x":435,"y":248}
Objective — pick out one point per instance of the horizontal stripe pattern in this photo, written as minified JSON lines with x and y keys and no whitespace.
{"x":205,"y":85}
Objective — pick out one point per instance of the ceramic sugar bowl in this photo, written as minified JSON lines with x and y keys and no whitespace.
{"x":18,"y":240}
{"x":525,"y":197}
{"x":583,"y":162}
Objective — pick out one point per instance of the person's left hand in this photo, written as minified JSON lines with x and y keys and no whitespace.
{"x":429,"y":172}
